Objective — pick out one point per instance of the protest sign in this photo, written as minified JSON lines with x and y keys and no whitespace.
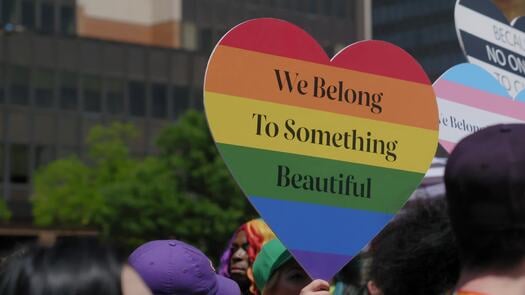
{"x":470,"y":98}
{"x":327,"y":151}
{"x":489,"y":41}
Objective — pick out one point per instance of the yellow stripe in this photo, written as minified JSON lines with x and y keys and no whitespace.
{"x":232,"y":121}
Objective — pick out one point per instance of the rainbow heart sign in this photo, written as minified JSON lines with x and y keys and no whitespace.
{"x":327,"y":151}
{"x":470,"y":98}
{"x":489,"y":41}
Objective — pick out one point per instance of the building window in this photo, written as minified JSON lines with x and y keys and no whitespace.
{"x":189,"y":36}
{"x":205,"y":40}
{"x":137,"y":98}
{"x":2,"y":149}
{"x":44,"y":81}
{"x":8,"y":10}
{"x":68,"y":91}
{"x":159,"y":101}
{"x":19,"y":172}
{"x":2,"y":83}
{"x":92,"y":94}
{"x":114,"y":97}
{"x":341,"y":8}
{"x":68,"y":151}
{"x":44,"y":154}
{"x":181,"y":100}
{"x":198,"y":98}
{"x":28,"y":14}
{"x":286,"y":4}
{"x":18,"y":87}
{"x":312,"y":6}
{"x":327,"y":8}
{"x":67,"y":20}
{"x":47,"y":18}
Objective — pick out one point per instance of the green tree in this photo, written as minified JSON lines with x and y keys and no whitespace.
{"x":185,"y":192}
{"x":69,"y":192}
{"x":5,"y":213}
{"x":65,"y":195}
{"x":190,"y":152}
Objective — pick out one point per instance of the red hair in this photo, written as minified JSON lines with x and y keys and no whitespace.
{"x":257,"y":233}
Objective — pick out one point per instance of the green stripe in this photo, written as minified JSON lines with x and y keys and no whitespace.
{"x":256,"y":171}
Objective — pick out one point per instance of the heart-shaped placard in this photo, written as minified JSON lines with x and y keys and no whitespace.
{"x":489,"y":41}
{"x":326,"y":150}
{"x":470,"y":98}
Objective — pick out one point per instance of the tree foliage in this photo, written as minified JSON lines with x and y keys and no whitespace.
{"x":5,"y":213}
{"x":185,"y":192}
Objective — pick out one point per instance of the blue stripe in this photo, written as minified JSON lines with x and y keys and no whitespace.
{"x":319,"y":228}
{"x":474,"y":76}
{"x":486,"y":8}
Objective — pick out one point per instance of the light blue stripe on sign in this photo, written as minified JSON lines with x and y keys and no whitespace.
{"x":476,"y":77}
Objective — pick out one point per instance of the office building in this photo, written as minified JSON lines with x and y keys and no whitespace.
{"x":425,"y":29}
{"x":68,"y":65}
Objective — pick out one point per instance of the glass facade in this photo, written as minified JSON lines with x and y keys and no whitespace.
{"x":425,"y":29}
{"x":55,"y":85}
{"x":49,"y":101}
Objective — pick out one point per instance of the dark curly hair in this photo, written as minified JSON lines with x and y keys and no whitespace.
{"x":416,"y":252}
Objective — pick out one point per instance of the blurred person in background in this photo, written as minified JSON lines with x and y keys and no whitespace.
{"x":70,"y":267}
{"x":174,"y":267}
{"x":276,"y":272}
{"x":236,"y":261}
{"x":485,"y":187}
{"x":350,"y":279}
{"x":415,"y":253}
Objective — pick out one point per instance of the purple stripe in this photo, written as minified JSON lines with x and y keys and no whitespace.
{"x":461,"y":94}
{"x":320,"y":265}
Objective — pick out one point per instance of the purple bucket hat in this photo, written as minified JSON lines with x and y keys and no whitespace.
{"x":176,"y":268}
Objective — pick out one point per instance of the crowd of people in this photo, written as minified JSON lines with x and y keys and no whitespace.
{"x":469,"y":241}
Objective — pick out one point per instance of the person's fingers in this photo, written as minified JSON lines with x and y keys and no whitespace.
{"x":316,"y":287}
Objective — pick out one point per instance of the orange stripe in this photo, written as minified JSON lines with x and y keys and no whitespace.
{"x":250,"y":74}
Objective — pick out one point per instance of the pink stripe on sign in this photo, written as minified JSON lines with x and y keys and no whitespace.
{"x":493,"y":103}
{"x":447,"y":145}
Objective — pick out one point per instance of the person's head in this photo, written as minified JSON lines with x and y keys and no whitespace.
{"x":415,"y":253}
{"x":68,"y":267}
{"x":237,"y":260}
{"x":485,"y":187}
{"x":276,"y":272}
{"x":174,"y":267}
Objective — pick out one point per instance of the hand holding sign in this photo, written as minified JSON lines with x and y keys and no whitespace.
{"x":326,"y":150}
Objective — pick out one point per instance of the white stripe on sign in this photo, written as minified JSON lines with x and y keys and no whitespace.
{"x":435,"y":172}
{"x":489,"y":29}
{"x":458,"y":120}
{"x":511,"y":82}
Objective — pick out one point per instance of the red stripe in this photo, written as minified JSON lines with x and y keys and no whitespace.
{"x":278,"y":37}
{"x":381,"y":58}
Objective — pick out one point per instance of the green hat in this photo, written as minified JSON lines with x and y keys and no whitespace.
{"x":272,"y":256}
